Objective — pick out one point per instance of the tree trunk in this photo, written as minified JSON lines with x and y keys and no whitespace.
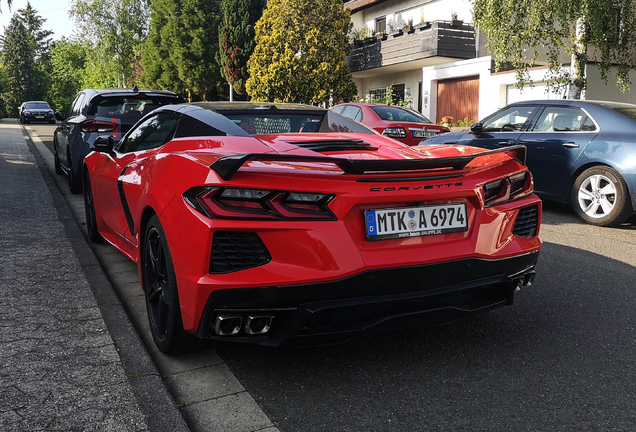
{"x":578,"y":81}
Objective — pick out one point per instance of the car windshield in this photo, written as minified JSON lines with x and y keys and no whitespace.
{"x":258,"y":122}
{"x":399,"y":114}
{"x":127,"y":107}
{"x":37,"y":105}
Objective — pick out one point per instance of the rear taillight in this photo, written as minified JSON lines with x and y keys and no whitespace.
{"x":240,"y":203}
{"x":508,"y":189}
{"x":394,"y":132}
{"x":97,"y":126}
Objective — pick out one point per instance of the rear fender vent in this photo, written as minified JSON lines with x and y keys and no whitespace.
{"x":233,"y":251}
{"x":334,"y":145}
{"x":527,"y":222}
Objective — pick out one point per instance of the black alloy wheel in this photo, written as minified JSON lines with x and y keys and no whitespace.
{"x":162,"y":298}
{"x":74,"y":181}
{"x":89,"y":207}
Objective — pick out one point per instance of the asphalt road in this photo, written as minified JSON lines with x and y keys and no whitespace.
{"x":562,"y":358}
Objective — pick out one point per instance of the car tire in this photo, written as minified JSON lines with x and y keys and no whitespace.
{"x":74,"y":180}
{"x":56,"y":159}
{"x":162,"y":298}
{"x":600,"y":197}
{"x":89,"y":208}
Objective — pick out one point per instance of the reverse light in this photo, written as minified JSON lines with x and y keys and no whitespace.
{"x":508,"y":189}
{"x":97,"y":126}
{"x":394,"y":132}
{"x":243,"y":203}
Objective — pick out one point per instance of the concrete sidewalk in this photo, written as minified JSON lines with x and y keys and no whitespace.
{"x":60,"y":369}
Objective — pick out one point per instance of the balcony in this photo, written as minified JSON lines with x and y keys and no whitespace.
{"x":425,"y":45}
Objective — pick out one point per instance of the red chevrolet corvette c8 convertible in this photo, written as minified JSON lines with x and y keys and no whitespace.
{"x":284,"y":223}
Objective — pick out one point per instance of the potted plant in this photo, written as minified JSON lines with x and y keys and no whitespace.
{"x":447,"y":120}
{"x":408,"y":26}
{"x":454,"y":21}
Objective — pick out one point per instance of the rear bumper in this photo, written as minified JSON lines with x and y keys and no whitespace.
{"x":371,"y":301}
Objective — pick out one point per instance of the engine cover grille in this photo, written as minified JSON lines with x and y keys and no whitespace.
{"x":527,"y":222}
{"x":234,"y":250}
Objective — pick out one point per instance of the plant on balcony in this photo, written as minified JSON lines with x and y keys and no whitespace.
{"x":358,"y":35}
{"x":408,"y":26}
{"x":454,"y":21}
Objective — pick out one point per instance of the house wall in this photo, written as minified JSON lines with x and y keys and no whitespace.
{"x":399,"y":12}
{"x":495,"y":90}
{"x":410,"y":79}
{"x":598,"y":90}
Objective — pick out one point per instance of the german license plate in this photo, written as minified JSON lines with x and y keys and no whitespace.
{"x":425,"y":133}
{"x":419,"y":221}
{"x":39,"y":116}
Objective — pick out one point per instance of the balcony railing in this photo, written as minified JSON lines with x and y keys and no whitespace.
{"x":437,"y":39}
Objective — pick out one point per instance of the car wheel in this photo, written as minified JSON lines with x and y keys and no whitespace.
{"x":162,"y":299}
{"x":89,"y":207}
{"x":74,"y":181}
{"x":56,"y":159}
{"x":600,"y":197}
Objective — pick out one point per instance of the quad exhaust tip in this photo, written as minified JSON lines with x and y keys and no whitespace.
{"x":252,"y":324}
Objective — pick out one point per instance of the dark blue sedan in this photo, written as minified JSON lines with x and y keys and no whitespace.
{"x":580,"y":152}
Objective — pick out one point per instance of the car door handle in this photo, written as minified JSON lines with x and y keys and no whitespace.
{"x":505,"y":143}
{"x":571,"y":145}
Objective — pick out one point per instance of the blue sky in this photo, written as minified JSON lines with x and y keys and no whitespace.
{"x":54,"y":11}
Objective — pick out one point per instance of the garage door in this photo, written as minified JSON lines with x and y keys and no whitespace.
{"x":459,"y":98}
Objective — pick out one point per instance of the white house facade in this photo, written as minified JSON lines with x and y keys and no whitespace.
{"x":440,"y":65}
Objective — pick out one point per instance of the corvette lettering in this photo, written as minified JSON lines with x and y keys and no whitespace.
{"x":410,"y":188}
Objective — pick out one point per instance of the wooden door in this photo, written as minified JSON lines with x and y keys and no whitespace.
{"x":459,"y":98}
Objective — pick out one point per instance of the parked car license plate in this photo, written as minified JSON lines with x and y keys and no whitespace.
{"x":424,"y":133}
{"x":415,"y":221}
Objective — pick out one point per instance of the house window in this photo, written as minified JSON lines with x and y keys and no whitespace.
{"x":377,"y":95}
{"x":380,"y":25}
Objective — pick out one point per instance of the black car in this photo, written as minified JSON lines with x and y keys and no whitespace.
{"x":580,"y":152}
{"x":34,"y":111}
{"x":95,"y":112}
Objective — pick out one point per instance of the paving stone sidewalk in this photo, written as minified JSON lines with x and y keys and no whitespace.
{"x":59,"y":367}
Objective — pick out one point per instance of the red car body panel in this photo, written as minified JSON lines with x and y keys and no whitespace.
{"x":303,"y":252}
{"x":129,"y":188}
{"x":372,"y":120}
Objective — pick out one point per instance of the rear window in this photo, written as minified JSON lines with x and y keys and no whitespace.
{"x":258,"y":122}
{"x":37,"y":105}
{"x":399,"y":114}
{"x":130,"y":108}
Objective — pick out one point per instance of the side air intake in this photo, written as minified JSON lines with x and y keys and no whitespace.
{"x":527,"y":222}
{"x":233,"y":251}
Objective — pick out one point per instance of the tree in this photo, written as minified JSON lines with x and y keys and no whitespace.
{"x":182,"y":46}
{"x":522,"y":31}
{"x":40,"y":38}
{"x":18,"y":61}
{"x":68,"y":62}
{"x":236,"y":39}
{"x":25,"y":47}
{"x":8,"y":4}
{"x":118,"y":29}
{"x":300,"y":53}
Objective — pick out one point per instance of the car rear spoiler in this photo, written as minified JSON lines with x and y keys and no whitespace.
{"x":227,"y":166}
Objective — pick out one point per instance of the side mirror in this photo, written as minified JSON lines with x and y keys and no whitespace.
{"x":476,"y":128}
{"x":59,"y":115}
{"x":104,"y":144}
